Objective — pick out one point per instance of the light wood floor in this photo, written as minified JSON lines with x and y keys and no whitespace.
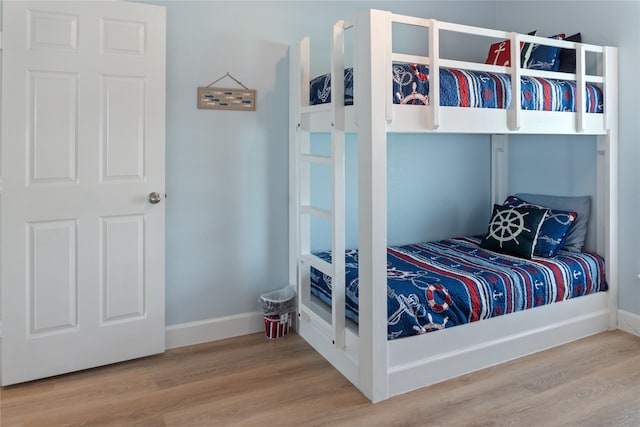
{"x":251,"y":381}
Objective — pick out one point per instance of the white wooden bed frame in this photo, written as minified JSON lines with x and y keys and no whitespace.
{"x":381,"y":368}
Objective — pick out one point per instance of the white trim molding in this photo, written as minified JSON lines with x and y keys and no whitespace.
{"x":202,"y":331}
{"x":629,"y":322}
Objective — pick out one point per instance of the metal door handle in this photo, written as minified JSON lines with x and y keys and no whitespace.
{"x":154,"y":198}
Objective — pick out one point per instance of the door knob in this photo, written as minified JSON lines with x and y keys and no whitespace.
{"x":154,"y":198}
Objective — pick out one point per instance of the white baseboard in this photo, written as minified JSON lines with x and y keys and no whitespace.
{"x":629,"y":322}
{"x":190,"y":333}
{"x":184,"y":334}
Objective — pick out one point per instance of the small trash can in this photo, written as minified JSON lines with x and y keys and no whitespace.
{"x":278,"y":308}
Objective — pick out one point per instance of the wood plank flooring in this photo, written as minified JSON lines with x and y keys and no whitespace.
{"x":252,"y":381}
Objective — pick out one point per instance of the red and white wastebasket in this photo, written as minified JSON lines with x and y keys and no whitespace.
{"x":277,"y":326}
{"x":278,"y":308}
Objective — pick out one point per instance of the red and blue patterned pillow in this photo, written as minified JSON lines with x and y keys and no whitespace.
{"x":554,"y":230}
{"x":537,"y":56}
{"x":500,"y":52}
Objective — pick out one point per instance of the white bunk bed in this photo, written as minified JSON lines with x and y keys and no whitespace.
{"x":382,"y":368}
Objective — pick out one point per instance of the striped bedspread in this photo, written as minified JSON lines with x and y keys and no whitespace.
{"x":461,"y":88}
{"x":436,"y":285}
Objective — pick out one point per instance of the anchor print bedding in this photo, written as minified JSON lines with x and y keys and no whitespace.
{"x":441,"y":284}
{"x":461,"y":88}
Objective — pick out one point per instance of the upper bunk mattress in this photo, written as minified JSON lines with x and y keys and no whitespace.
{"x":462,"y":88}
{"x":436,"y":285}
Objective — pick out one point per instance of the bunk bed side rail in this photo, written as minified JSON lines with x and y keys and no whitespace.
{"x":514,"y":115}
{"x":301,"y":173}
{"x":295,"y":86}
{"x":338,"y":231}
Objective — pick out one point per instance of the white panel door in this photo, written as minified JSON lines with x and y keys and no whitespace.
{"x":82,"y":251}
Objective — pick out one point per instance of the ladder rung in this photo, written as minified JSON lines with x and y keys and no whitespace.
{"x":308,"y":313}
{"x":319,"y":264}
{"x":410,"y":59}
{"x":319,"y":108}
{"x":310,"y":210}
{"x":316,"y":159}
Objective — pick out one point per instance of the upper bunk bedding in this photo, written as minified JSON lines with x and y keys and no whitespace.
{"x":437,"y":285}
{"x":463,"y":88}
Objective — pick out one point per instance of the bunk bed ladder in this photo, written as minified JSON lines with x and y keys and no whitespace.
{"x":335,"y":326}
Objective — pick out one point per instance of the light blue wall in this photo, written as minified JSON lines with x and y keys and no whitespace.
{"x":227,"y":172}
{"x":570,"y":171}
{"x":556,"y":165}
{"x":438,"y":186}
{"x":613,"y":23}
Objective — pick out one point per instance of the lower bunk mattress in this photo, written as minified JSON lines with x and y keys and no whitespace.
{"x":441,"y":284}
{"x":462,"y":88}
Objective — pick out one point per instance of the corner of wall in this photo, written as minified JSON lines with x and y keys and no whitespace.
{"x":629,"y":322}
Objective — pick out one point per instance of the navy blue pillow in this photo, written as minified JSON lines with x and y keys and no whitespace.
{"x":545,"y":57}
{"x":581,"y":205}
{"x":554,"y":230}
{"x":567,"y":57}
{"x":514,"y":230}
{"x":525,"y":51}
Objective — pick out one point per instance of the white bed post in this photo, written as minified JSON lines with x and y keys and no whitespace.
{"x":372,"y":199}
{"x":607,"y":165}
{"x":294,"y":121}
{"x":434,"y":74}
{"x":581,"y":110}
{"x":338,"y":298}
{"x":499,"y":168}
{"x":514,"y":116}
{"x":299,"y":171}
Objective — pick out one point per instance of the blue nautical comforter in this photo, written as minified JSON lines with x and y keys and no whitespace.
{"x":461,"y":88}
{"x":436,"y":285}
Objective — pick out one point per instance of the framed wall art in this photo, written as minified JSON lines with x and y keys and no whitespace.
{"x":222,"y":98}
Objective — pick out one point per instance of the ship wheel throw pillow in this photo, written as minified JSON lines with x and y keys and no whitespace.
{"x":514,"y":230}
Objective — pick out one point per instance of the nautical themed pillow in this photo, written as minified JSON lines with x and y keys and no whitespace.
{"x":577,"y":234}
{"x":525,"y":51}
{"x":500,"y":52}
{"x":513,"y":230}
{"x":554,"y":230}
{"x":545,"y":57}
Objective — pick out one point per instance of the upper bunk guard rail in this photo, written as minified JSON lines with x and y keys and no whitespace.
{"x":303,"y":209}
{"x":402,"y":58}
{"x":322,"y":116}
{"x":434,"y":61}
